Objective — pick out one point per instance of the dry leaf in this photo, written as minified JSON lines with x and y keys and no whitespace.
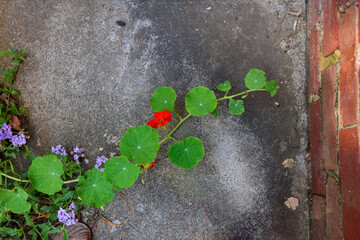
{"x":292,"y":203}
{"x":16,"y":124}
{"x":288,"y":163}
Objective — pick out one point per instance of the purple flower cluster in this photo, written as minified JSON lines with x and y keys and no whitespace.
{"x":99,"y":161}
{"x":77,"y":152}
{"x":59,"y":150}
{"x":67,"y":218}
{"x":5,"y":133}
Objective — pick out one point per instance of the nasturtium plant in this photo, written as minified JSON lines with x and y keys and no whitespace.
{"x":188,"y":153}
{"x":120,"y":172}
{"x":140,"y":144}
{"x":255,"y":79}
{"x":236,"y":107}
{"x":163,"y":98}
{"x":271,"y":87}
{"x":14,"y":200}
{"x":44,"y":174}
{"x":94,"y":190}
{"x":225,"y":86}
{"x":200,"y":101}
{"x":215,"y":112}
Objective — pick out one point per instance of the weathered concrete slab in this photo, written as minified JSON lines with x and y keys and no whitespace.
{"x":86,"y":77}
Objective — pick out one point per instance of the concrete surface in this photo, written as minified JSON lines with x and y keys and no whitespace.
{"x":87,"y":79}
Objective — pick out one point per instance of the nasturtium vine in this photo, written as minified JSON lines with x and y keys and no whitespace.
{"x":138,"y":148}
{"x":200,"y":101}
{"x":14,"y":200}
{"x":188,"y":153}
{"x":94,"y":190}
{"x":236,"y":107}
{"x":163,"y":99}
{"x":44,"y":174}
{"x":271,"y":87}
{"x":226,"y":86}
{"x":255,"y":79}
{"x":140,"y":144}
{"x":120,"y":172}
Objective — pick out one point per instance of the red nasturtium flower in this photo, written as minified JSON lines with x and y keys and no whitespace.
{"x":150,"y":165}
{"x":160,"y":119}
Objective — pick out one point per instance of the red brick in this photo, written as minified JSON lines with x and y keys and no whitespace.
{"x":350,"y":181}
{"x":313,"y":13}
{"x":333,"y":210}
{"x":314,"y":50}
{"x":329,"y":121}
{"x":348,"y":83}
{"x":330,"y":26}
{"x":318,"y":219}
{"x":317,"y":165}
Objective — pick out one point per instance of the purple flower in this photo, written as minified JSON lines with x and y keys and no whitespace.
{"x":58,"y":150}
{"x":72,"y":206}
{"x":18,"y":140}
{"x":99,"y":161}
{"x":5,"y":132}
{"x":67,"y":218}
{"x":77,"y":153}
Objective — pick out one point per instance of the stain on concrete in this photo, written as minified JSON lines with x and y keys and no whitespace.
{"x":87,"y":78}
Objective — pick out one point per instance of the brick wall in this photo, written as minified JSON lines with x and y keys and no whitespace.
{"x":334,"y":59}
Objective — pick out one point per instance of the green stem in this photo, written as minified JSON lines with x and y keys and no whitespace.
{"x":26,"y":181}
{"x":239,"y":94}
{"x":14,"y":178}
{"x":176,"y":127}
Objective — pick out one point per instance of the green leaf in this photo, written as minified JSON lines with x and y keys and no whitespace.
{"x":215,"y":112}
{"x":44,"y":174}
{"x":200,"y":101}
{"x":28,"y":219}
{"x":2,"y":120}
{"x":255,"y":79}
{"x":163,"y":98}
{"x":14,"y":200}
{"x":14,"y":92}
{"x":4,"y":72}
{"x":187,"y":154}
{"x":120,"y":172}
{"x":224,"y":86}
{"x":140,"y":144}
{"x":12,"y":51}
{"x":236,"y":107}
{"x":66,"y":234}
{"x":271,"y":87}
{"x":94,"y":190}
{"x":4,"y":54}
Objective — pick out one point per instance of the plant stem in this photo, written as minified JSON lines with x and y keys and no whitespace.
{"x":239,"y":94}
{"x":14,"y":178}
{"x":175,"y":128}
{"x":71,"y":181}
{"x":26,"y":181}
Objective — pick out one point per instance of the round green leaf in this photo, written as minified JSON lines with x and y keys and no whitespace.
{"x":187,"y":154}
{"x":236,"y":107}
{"x":94,"y":190}
{"x":120,"y":172}
{"x":14,"y":200}
{"x":140,"y":144}
{"x":44,"y":174}
{"x":163,"y":98}
{"x":255,"y":79}
{"x":200,"y":101}
{"x":271,"y":87}
{"x":224,"y":86}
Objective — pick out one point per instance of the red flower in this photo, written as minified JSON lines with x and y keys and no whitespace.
{"x":150,"y":165}
{"x":160,"y":119}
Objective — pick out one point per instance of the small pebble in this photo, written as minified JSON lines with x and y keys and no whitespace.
{"x":121,"y":23}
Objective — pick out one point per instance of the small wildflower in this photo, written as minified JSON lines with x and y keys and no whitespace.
{"x":100,"y":161}
{"x":160,"y":119}
{"x":59,"y":150}
{"x":86,"y":161}
{"x":18,"y":140}
{"x":72,"y":206}
{"x":5,"y":132}
{"x":77,"y":153}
